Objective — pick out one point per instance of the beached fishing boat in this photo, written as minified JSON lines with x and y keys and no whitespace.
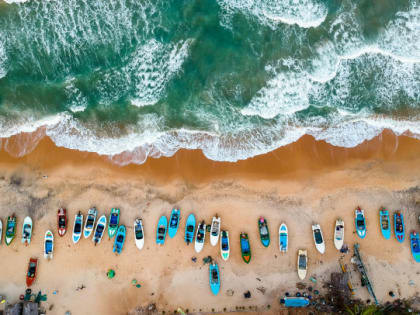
{"x":224,"y":245}
{"x":174,"y":222}
{"x":99,"y":230}
{"x":90,"y":222}
{"x":339,"y":234}
{"x":77,"y":227}
{"x":31,"y":274}
{"x":139,"y":233}
{"x":360,"y":222}
{"x":114,"y":221}
{"x":215,"y":230}
{"x":245,"y":248}
{"x":200,"y":237}
{"x":302,"y":263}
{"x":1,"y":230}
{"x":48,"y":245}
{"x":214,"y":278}
{"x":27,"y":231}
{"x":318,"y":238}
{"x":296,"y":301}
{"x":162,"y":227}
{"x":189,"y":229}
{"x":62,"y":221}
{"x":399,"y":226}
{"x":415,"y":246}
{"x":385,"y":223}
{"x":10,"y":229}
{"x":119,"y":239}
{"x":264,"y":232}
{"x":283,"y":238}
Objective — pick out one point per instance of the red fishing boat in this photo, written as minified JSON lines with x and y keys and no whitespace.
{"x":62,"y":221}
{"x":30,"y":276}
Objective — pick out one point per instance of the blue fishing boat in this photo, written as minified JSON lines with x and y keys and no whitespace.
{"x":296,"y":301}
{"x":214,"y":277}
{"x":119,"y":239}
{"x":385,"y":223}
{"x":264,"y":233}
{"x":360,"y":222}
{"x":189,"y":229}
{"x":162,"y":227}
{"x":174,"y":222}
{"x":283,"y":238}
{"x":399,"y":226}
{"x":415,"y":246}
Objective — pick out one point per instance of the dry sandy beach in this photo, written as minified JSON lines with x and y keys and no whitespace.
{"x":299,"y":184}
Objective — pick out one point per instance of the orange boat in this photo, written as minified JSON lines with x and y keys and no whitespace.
{"x":30,"y":276}
{"x":62,"y":221}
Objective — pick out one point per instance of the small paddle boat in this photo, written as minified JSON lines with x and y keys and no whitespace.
{"x":139,"y":233}
{"x":48,"y":245}
{"x":31,"y":274}
{"x":200,"y":237}
{"x":62,"y":221}
{"x":189,"y":229}
{"x":99,"y":230}
{"x":399,"y":226}
{"x":162,"y":227}
{"x":384,"y":223}
{"x":10,"y":229}
{"x":302,"y":263}
{"x":119,"y":240}
{"x":224,"y":245}
{"x":90,"y":222}
{"x":318,"y":238}
{"x":1,"y":230}
{"x":360,"y":222}
{"x":339,"y":234}
{"x":264,"y":233}
{"x":174,"y":222}
{"x":283,"y":238}
{"x":245,"y":248}
{"x":77,"y":227}
{"x":27,"y":231}
{"x":415,"y":246}
{"x":114,"y":221}
{"x":215,"y":230}
{"x":295,"y":301}
{"x":214,"y":277}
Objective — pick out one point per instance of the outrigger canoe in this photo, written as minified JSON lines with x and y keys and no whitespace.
{"x":27,"y":231}
{"x":114,"y":221}
{"x":214,"y":278}
{"x":264,"y":233}
{"x":224,"y":245}
{"x":189,"y":229}
{"x":360,"y":222}
{"x":48,"y":245}
{"x":174,"y":222}
{"x":302,"y":263}
{"x":245,"y":248}
{"x":339,"y":234}
{"x":200,"y":237}
{"x":415,"y":246}
{"x":99,"y":230}
{"x":77,"y":227}
{"x":62,"y":221}
{"x":119,"y":239}
{"x":90,"y":222}
{"x":139,"y":233}
{"x":162,"y":227}
{"x":10,"y":229}
{"x":385,"y":223}
{"x":283,"y":238}
{"x":318,"y":238}
{"x":31,"y":274}
{"x":399,"y":226}
{"x":215,"y":230}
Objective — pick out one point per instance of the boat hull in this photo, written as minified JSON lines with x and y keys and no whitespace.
{"x":245,"y":248}
{"x":296,"y":301}
{"x":399,"y":228}
{"x":189,"y":235}
{"x":138,"y":225}
{"x":160,"y":237}
{"x":198,"y":246}
{"x":360,"y":227}
{"x":27,"y":227}
{"x":48,"y":252}
{"x":283,"y":238}
{"x":99,"y":230}
{"x":339,"y":234}
{"x":78,"y":222}
{"x":224,"y":240}
{"x":385,"y":224}
{"x":175,"y":217}
{"x":119,"y":239}
{"x":113,"y":223}
{"x":415,"y":246}
{"x":214,"y":285}
{"x":215,"y":229}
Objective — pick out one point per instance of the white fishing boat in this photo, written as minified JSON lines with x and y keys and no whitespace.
{"x":318,"y":238}
{"x":200,"y":237}
{"x":48,"y":245}
{"x":224,"y":245}
{"x":215,"y":230}
{"x":27,"y":231}
{"x":139,"y":233}
{"x":99,"y":230}
{"x":90,"y":222}
{"x":283,"y":238}
{"x":302,"y":263}
{"x":339,"y":234}
{"x":77,"y":227}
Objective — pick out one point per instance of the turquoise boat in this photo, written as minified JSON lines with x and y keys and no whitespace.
{"x":296,"y":301}
{"x":415,"y":246}
{"x":174,"y":222}
{"x":385,"y":223}
{"x":114,"y":221}
{"x":264,"y":233}
{"x":162,"y":227}
{"x":360,"y":222}
{"x":189,"y":229}
{"x":399,"y":227}
{"x":119,"y":239}
{"x":214,"y":278}
{"x":10,"y":230}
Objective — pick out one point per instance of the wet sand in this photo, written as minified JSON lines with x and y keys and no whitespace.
{"x":302,"y":183}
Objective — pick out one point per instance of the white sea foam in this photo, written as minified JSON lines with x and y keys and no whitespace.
{"x":77,"y":102}
{"x":3,"y":59}
{"x":15,"y":1}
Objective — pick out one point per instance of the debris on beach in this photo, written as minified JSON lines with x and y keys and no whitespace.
{"x":110,"y":274}
{"x":207,"y":260}
{"x":230,"y":292}
{"x":194,"y":259}
{"x":247,"y":295}
{"x":313,"y":279}
{"x":80,"y":288}
{"x":262,"y":290}
{"x":300,"y":285}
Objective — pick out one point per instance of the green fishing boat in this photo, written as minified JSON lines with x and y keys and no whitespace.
{"x":114,"y":220}
{"x":10,"y":229}
{"x":245,"y":248}
{"x":264,"y":233}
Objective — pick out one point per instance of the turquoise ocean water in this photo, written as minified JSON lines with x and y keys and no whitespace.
{"x":234,"y":78}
